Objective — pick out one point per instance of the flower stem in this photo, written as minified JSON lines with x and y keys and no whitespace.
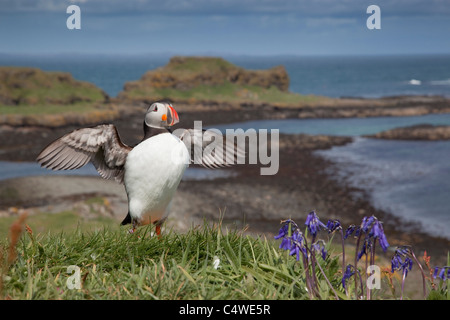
{"x":356,"y":266}
{"x":307,"y":278}
{"x":372,"y":262}
{"x":423,"y":274}
{"x":403,"y":283}
{"x":343,"y":256}
{"x":328,"y":282}
{"x":313,"y":262}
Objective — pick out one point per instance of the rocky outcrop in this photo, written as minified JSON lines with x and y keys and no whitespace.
{"x":32,"y":86}
{"x":190,"y":73}
{"x":417,"y":132}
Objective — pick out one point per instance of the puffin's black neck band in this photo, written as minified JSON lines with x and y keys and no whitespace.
{"x":150,"y":132}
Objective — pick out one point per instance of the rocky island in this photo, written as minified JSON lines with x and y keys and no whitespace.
{"x":416,"y":132}
{"x":206,"y":79}
{"x":32,"y":97}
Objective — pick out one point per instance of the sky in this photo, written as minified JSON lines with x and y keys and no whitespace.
{"x":233,"y":27}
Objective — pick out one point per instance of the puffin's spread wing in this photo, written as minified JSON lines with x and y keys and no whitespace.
{"x":100,"y":144}
{"x":210,"y":148}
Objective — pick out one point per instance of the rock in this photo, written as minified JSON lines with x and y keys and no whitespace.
{"x":416,"y":132}
{"x":195,"y":73}
{"x":32,"y":86}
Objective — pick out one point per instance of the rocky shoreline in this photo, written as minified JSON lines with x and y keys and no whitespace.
{"x":303,"y":183}
{"x":123,"y":114}
{"x":417,"y":132}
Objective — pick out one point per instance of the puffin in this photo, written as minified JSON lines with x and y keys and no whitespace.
{"x":152,"y":169}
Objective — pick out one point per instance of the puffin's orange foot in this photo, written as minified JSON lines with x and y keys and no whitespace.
{"x":158,"y":231}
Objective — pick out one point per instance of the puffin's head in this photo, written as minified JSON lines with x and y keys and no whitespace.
{"x":161,"y":115}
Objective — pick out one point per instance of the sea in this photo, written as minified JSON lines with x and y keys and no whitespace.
{"x":410,"y":179}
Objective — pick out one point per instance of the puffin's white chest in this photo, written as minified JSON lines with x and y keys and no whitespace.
{"x":153,"y":171}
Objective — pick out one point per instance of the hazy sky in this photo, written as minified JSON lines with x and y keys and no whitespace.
{"x":253,"y":27}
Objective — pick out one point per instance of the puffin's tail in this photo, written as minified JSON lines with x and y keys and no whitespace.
{"x":127,"y":220}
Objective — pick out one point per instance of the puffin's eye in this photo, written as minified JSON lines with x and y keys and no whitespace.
{"x":155,"y":108}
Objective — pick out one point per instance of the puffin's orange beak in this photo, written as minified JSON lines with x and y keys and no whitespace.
{"x":172,"y":116}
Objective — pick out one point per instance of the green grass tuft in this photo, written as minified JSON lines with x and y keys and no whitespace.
{"x":118,"y":265}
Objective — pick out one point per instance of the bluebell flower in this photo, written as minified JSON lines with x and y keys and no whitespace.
{"x":443,"y":273}
{"x":407,"y":265}
{"x":363,"y":249}
{"x":403,"y":250}
{"x":436,"y":270}
{"x":293,"y":242}
{"x":283,"y":230}
{"x":333,"y":225}
{"x":347,"y":274}
{"x":286,"y":244}
{"x":349,"y":231}
{"x":313,"y":223}
{"x":398,"y":263}
{"x":367,"y":223}
{"x":378,"y":232}
{"x":320,"y":246}
{"x":374,"y":229}
{"x":324,"y":252}
{"x":297,"y":245}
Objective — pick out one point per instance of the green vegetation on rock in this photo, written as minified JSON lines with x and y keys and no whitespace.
{"x":208,"y":79}
{"x":31,"y":86}
{"x":32,"y":97}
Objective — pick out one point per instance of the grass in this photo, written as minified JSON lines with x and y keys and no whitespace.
{"x":226,"y":92}
{"x":118,"y":265}
{"x":30,"y":96}
{"x":205,"y":65}
{"x":32,"y":86}
{"x":208,"y":262}
{"x":66,"y":222}
{"x":55,"y":115}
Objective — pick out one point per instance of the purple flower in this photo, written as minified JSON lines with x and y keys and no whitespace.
{"x":350,"y":231}
{"x":320,"y":246}
{"x":407,"y":265}
{"x":367,"y":223}
{"x":441,"y":273}
{"x":363,"y":251}
{"x":347,"y":274}
{"x":333,"y":225}
{"x":293,"y":242}
{"x":398,"y":263}
{"x":374,"y":229}
{"x":313,"y":223}
{"x":283,"y":230}
{"x":378,"y":232}
{"x":297,"y":245}
{"x":285,"y":244}
{"x":324,"y":252}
